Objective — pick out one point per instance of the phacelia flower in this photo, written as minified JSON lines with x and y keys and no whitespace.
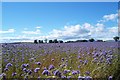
{"x":14,"y":73}
{"x":38,"y":63}
{"x":9,"y":65}
{"x":57,"y":73}
{"x":46,"y":72}
{"x":36,"y":70}
{"x":51,"y":67}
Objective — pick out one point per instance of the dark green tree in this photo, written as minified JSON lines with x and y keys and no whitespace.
{"x":35,"y":41}
{"x":91,"y":40}
{"x":60,"y":41}
{"x":45,"y":40}
{"x":116,"y":38}
{"x":40,"y":41}
{"x":50,"y":41}
{"x":55,"y":41}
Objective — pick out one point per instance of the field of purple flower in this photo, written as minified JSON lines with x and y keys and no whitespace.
{"x":87,"y":60}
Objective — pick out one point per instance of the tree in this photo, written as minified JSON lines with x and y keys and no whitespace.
{"x":60,"y":41}
{"x":55,"y":41}
{"x":91,"y":40}
{"x":40,"y":41}
{"x":35,"y":41}
{"x":50,"y":41}
{"x":99,"y":40}
{"x":45,"y":40}
{"x":84,"y":41}
{"x":116,"y":38}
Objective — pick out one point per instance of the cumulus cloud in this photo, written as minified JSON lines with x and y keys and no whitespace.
{"x":31,"y":32}
{"x":73,"y":32}
{"x":85,"y":31}
{"x":7,"y":31}
{"x":110,"y":17}
{"x":69,"y":32}
{"x":99,"y":27}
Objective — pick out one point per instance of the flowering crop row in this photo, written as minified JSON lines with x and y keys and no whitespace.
{"x":66,"y":60}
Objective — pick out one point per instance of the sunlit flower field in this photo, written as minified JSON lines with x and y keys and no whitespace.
{"x":81,"y":61}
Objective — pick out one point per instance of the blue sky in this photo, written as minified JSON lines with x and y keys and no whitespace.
{"x":24,"y":21}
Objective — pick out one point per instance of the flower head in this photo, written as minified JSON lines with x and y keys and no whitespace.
{"x":36,"y":70}
{"x":51,"y":67}
{"x":9,"y":65}
{"x":45,"y":72}
{"x":38,"y":63}
{"x":57,"y":73}
{"x":14,"y":73}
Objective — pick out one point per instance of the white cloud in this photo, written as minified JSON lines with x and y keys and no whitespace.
{"x":8,"y":31}
{"x":85,"y":31}
{"x":99,"y":27}
{"x":73,"y":31}
{"x":110,"y":17}
{"x":31,"y":32}
{"x":113,"y":29}
{"x":38,"y":27}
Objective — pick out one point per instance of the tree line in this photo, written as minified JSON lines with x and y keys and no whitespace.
{"x":116,"y":38}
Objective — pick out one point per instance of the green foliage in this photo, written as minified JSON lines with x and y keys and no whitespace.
{"x":116,"y":38}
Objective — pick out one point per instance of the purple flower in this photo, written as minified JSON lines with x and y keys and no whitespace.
{"x":81,"y":78}
{"x":104,"y":53}
{"x":63,"y":59}
{"x":38,"y":63}
{"x":36,"y":70}
{"x":52,"y":60}
{"x":25,"y":70}
{"x":79,"y":66}
{"x":45,"y":68}
{"x":95,"y":55}
{"x":6,"y":69}
{"x":95,"y":60}
{"x":110,"y":52}
{"x":46,"y":72}
{"x":38,"y":78}
{"x":51,"y":67}
{"x":27,"y":65}
{"x":110,"y":78}
{"x":68,"y":77}
{"x":57,"y":73}
{"x":24,"y":65}
{"x":85,"y":62}
{"x":63,"y":65}
{"x":87,"y":72}
{"x":30,"y":72}
{"x":66,"y":60}
{"x":66,"y":71}
{"x":4,"y":76}
{"x":79,"y":57}
{"x":81,"y":61}
{"x":9,"y":65}
{"x":75,"y":72}
{"x":63,"y":76}
{"x":14,"y":73}
{"x":78,"y":71}
{"x":109,"y":60}
{"x":88,"y":78}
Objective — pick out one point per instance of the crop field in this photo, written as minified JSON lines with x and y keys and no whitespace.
{"x":81,"y":61}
